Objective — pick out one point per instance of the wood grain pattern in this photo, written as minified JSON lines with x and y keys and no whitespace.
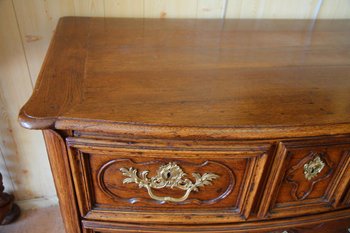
{"x":128,"y":96}
{"x":330,"y":223}
{"x":124,"y":8}
{"x":57,"y":152}
{"x":4,"y":133}
{"x":211,"y":8}
{"x":299,"y":190}
{"x":273,"y":9}
{"x":203,"y":53}
{"x":290,"y":193}
{"x":102,"y":195}
{"x":89,"y":8}
{"x":37,"y":21}
{"x":170,"y":8}
{"x":16,"y":144}
{"x":346,"y":200}
{"x":109,"y":182}
{"x":338,"y":9}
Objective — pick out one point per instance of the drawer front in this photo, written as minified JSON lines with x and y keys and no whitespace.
{"x":346,"y":200}
{"x":308,"y":176}
{"x":161,"y":185}
{"x":278,"y":226}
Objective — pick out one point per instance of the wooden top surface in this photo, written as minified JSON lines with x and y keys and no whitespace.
{"x":200,"y":78}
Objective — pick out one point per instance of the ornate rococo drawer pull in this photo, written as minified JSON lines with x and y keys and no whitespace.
{"x":313,"y":168}
{"x":168,"y":176}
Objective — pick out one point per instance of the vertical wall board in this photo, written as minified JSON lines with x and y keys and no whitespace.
{"x":211,"y":8}
{"x":23,"y":150}
{"x":234,"y":7}
{"x":6,"y":177}
{"x":171,"y":8}
{"x":335,"y":9}
{"x":297,"y":9}
{"x":37,"y":21}
{"x":89,"y":8}
{"x":124,"y":8}
{"x":4,"y":131}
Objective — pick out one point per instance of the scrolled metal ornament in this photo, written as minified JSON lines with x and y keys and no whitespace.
{"x":313,"y":168}
{"x":168,"y":176}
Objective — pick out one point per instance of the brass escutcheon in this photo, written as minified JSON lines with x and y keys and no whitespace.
{"x":313,"y":168}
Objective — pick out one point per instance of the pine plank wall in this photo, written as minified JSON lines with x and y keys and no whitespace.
{"x":26,"y":27}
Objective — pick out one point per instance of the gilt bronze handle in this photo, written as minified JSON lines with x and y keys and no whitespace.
{"x":168,"y":176}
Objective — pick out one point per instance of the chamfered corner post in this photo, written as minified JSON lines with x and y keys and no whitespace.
{"x":58,"y":157}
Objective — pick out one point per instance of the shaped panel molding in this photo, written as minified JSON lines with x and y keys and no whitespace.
{"x":307,"y":176}
{"x":316,"y":167}
{"x":169,"y":176}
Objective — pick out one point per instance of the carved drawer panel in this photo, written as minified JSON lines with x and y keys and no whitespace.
{"x":308,"y":176}
{"x":121,"y":182}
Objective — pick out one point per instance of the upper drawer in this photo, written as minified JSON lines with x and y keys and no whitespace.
{"x":124,"y":182}
{"x":308,"y":176}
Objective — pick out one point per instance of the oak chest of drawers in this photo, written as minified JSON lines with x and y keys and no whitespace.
{"x":197,"y":125}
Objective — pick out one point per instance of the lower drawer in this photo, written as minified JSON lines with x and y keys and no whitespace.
{"x":134,"y":184}
{"x":335,"y":222}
